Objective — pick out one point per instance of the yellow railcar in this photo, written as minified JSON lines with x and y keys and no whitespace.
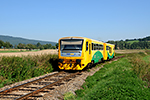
{"x":75,"y":53}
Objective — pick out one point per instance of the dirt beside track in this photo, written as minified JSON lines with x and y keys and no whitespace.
{"x":48,"y":51}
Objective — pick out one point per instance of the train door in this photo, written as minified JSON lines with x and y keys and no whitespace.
{"x":104,"y":52}
{"x":88,"y":52}
{"x":110,"y":51}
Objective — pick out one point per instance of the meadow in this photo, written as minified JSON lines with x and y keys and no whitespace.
{"x":14,"y":69}
{"x":125,"y":79}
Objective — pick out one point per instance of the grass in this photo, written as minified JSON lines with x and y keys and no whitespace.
{"x":118,"y":54}
{"x":129,"y":51}
{"x":147,"y":59}
{"x":127,"y":78}
{"x":122,"y":79}
{"x":15,"y":69}
{"x":132,"y":41}
{"x":141,"y":65}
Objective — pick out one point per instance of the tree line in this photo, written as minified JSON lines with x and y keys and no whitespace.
{"x":27,"y":46}
{"x":140,"y":39}
{"x":142,"y":43}
{"x":126,"y":45}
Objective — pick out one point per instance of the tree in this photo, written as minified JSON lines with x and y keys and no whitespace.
{"x":41,"y":47}
{"x":8,"y":45}
{"x":31,"y":46}
{"x":1,"y":43}
{"x":38,"y":45}
{"x":21,"y":46}
{"x":56,"y":45}
{"x":47,"y":46}
{"x":53,"y":47}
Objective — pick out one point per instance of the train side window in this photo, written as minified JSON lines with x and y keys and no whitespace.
{"x":89,"y":48}
{"x":107,"y":47}
{"x":92,"y":46}
{"x":110,"y":50}
{"x":86,"y":46}
{"x":101,"y":47}
{"x":96,"y":46}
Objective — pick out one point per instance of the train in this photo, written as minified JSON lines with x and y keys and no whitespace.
{"x":77,"y":53}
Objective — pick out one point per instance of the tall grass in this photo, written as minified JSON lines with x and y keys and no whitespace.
{"x":14,"y":69}
{"x":121,"y":80}
{"x":141,"y":65}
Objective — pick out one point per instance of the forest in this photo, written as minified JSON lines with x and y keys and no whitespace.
{"x":8,"y":45}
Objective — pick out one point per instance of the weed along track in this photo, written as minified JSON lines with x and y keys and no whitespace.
{"x":37,"y":88}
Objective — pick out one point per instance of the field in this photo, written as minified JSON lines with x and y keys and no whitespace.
{"x":23,"y":52}
{"x":18,"y":64}
{"x":127,"y":78}
{"x":14,"y":69}
{"x":129,"y":51}
{"x":133,"y":41}
{"x":15,"y":50}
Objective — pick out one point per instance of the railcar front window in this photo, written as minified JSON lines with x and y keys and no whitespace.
{"x":71,"y":44}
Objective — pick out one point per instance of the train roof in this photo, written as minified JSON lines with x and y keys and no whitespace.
{"x":73,"y":37}
{"x":110,"y":44}
{"x":77,"y":37}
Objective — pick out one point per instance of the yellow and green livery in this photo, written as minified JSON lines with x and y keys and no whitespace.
{"x":76,"y":53}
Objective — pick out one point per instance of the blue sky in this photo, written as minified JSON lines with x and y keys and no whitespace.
{"x":50,"y":20}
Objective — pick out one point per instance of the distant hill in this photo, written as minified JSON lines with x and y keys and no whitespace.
{"x":17,"y":40}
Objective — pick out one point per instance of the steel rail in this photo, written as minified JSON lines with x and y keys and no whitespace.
{"x":27,"y":83}
{"x":42,"y":88}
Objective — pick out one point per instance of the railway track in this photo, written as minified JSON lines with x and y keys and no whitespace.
{"x":37,"y":88}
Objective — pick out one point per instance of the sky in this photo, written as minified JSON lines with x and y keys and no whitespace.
{"x":49,"y":20}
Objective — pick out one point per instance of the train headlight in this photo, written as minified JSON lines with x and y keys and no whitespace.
{"x":78,"y":61}
{"x":60,"y":60}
